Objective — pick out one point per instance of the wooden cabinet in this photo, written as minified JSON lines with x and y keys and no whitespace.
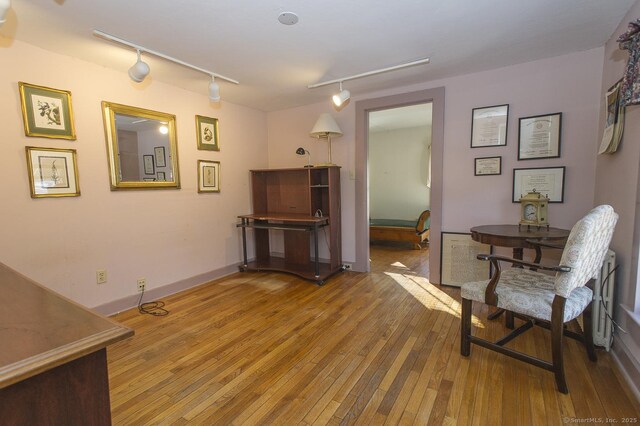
{"x":303,"y":204}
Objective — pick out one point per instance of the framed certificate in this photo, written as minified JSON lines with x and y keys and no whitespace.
{"x":539,"y":136}
{"x":487,"y":166}
{"x":489,"y":126}
{"x":458,"y":259}
{"x":548,"y":181}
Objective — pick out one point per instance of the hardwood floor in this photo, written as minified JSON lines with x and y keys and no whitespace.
{"x":257,"y":348}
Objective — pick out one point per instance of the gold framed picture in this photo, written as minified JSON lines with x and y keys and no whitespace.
{"x":46,"y":112}
{"x":208,"y":176}
{"x":52,"y":172}
{"x":207,"y":131}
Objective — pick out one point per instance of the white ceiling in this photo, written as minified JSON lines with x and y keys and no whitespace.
{"x":274,"y":63}
{"x":400,"y":118}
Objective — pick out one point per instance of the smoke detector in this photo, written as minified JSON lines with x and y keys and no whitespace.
{"x":288,"y":18}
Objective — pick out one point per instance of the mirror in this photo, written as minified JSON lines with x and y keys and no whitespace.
{"x":142,"y":147}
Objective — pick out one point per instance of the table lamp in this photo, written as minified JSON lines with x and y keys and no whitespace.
{"x":324,"y":128}
{"x":302,"y":151}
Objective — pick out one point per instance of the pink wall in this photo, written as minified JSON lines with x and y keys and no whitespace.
{"x":617,"y":183}
{"x":165,"y":236}
{"x":569,"y":84}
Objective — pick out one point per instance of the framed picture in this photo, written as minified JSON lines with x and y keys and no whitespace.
{"x":489,"y":126}
{"x":458,"y":259}
{"x":161,"y":160}
{"x":548,"y":181}
{"x":46,"y":112}
{"x":52,"y":172}
{"x":539,"y":136}
{"x":161,"y":177}
{"x":149,"y":167}
{"x":208,"y":176}
{"x":487,"y":166}
{"x":207,"y":131}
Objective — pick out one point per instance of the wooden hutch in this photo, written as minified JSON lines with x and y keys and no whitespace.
{"x":303,"y":203}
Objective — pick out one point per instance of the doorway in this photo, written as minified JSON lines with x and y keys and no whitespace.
{"x":363,"y":110}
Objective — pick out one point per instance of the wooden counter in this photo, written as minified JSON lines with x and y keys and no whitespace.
{"x":53,"y":367}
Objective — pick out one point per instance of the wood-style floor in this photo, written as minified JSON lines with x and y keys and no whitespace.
{"x":383,"y":347}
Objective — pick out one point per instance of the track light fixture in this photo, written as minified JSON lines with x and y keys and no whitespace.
{"x":5,"y":5}
{"x":344,"y":95}
{"x":341,"y":97}
{"x":140,"y":69}
{"x":214,"y":90}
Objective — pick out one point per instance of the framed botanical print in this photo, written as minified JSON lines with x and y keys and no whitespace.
{"x":207,"y":131}
{"x":208,"y":176}
{"x":46,"y":112}
{"x":52,"y":172}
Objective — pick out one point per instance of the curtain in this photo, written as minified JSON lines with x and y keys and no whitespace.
{"x":630,"y":89}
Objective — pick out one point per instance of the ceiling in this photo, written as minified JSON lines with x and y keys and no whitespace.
{"x":400,"y":118}
{"x":243,"y":40}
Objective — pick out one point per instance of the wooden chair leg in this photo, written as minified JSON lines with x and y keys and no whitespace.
{"x":557,"y":333}
{"x":508,"y":320}
{"x":465,"y":328}
{"x":587,"y":319}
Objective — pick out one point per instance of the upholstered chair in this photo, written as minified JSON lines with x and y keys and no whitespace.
{"x":550,"y":301}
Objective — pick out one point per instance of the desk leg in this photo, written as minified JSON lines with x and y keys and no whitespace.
{"x":244,"y":242}
{"x":315,"y":243}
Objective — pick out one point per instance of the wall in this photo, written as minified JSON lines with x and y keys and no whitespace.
{"x":398,"y":166}
{"x":617,"y":183}
{"x":166,"y":236}
{"x":569,"y":84}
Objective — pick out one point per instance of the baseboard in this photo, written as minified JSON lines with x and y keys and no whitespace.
{"x":128,"y":302}
{"x":623,"y":354}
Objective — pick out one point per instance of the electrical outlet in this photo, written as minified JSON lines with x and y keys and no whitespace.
{"x":142,"y":283}
{"x":101,"y":276}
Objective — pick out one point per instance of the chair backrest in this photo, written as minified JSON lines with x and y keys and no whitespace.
{"x":586,"y":248}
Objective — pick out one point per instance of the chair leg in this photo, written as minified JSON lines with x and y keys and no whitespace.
{"x":465,"y":328}
{"x":557,"y":333}
{"x":508,"y":320}
{"x":587,"y":319}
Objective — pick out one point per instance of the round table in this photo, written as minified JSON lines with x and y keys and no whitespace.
{"x":516,"y":236}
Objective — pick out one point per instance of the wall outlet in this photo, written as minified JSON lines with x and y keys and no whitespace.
{"x":142,"y":283}
{"x":101,"y":276}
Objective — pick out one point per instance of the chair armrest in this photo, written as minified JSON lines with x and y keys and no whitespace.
{"x":490,"y":296}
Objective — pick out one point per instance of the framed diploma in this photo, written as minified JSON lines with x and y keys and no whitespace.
{"x":548,"y":181}
{"x":458,"y":259}
{"x":539,"y":136}
{"x":487,"y":166}
{"x":489,"y":126}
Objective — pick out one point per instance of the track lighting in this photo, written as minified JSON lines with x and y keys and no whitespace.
{"x":214,"y":90}
{"x":344,"y":95}
{"x":139,"y":70}
{"x":5,"y":5}
{"x":341,"y":97}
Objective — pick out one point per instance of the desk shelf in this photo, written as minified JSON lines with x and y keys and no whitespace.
{"x":297,"y":202}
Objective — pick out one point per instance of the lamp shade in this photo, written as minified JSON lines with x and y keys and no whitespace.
{"x":4,"y":8}
{"x":325,"y":126}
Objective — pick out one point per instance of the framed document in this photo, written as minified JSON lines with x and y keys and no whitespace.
{"x":548,"y":181}
{"x":487,"y":166}
{"x":161,"y":160}
{"x":539,"y":136}
{"x":149,"y":166}
{"x":458,"y":259}
{"x":489,"y":126}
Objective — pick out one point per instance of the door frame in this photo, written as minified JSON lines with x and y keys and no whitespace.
{"x":436,"y":96}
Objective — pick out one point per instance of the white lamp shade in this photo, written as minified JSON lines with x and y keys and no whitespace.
{"x":214,"y":91}
{"x":341,"y":97}
{"x":138,"y":71}
{"x":325,"y":126}
{"x":5,"y":5}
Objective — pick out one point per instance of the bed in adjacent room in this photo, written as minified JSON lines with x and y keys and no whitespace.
{"x":415,"y":232}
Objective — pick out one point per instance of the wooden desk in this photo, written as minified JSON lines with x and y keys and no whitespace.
{"x":53,"y":362}
{"x":516,"y":237}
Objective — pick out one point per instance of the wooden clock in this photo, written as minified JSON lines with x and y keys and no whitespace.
{"x":534,"y":209}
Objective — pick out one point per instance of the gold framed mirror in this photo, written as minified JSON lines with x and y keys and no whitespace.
{"x":142,"y":147}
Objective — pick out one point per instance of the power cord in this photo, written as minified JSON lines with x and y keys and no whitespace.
{"x":155,"y":308}
{"x":604,"y":305}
